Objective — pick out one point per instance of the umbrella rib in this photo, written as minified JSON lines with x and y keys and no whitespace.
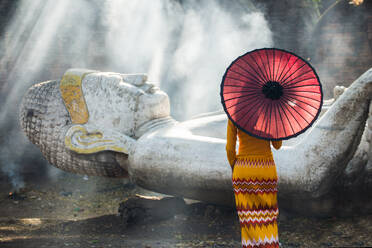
{"x":266,"y":108}
{"x":240,"y":97}
{"x":280,"y":105}
{"x":253,"y":94}
{"x":285,"y":133}
{"x":239,"y":91}
{"x":242,"y":108}
{"x":280,"y":60}
{"x":302,"y":102}
{"x":266,"y":118}
{"x":267,"y":122}
{"x":299,"y":86}
{"x":240,"y":103}
{"x":265,"y":115}
{"x":297,"y":82}
{"x":298,"y":114}
{"x":240,"y":73}
{"x":285,"y":105}
{"x":238,"y":86}
{"x":271,"y":108}
{"x":259,"y":68}
{"x":242,"y":80}
{"x":284,"y":67}
{"x":276,"y":123}
{"x":274,"y":117}
{"x":286,"y":83}
{"x":264,"y":67}
{"x":290,"y":93}
{"x":257,"y":79}
{"x":249,"y":110}
{"x":307,"y":91}
{"x":289,"y":69}
{"x":299,"y":68}
{"x":252,"y":112}
{"x":303,"y":108}
{"x":273,"y":64}
{"x":268,"y":65}
{"x":259,"y":75}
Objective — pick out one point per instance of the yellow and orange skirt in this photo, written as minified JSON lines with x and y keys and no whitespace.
{"x":255,"y":181}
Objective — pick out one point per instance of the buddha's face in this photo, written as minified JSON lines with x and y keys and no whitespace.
{"x":122,"y":102}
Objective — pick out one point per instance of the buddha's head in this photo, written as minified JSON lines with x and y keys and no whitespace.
{"x":88,"y":117}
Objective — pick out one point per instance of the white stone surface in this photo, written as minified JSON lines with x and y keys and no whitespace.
{"x":188,"y":158}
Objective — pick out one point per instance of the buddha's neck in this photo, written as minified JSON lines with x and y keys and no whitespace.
{"x":154,"y":124}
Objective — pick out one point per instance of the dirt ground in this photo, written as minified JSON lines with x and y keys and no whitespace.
{"x":69,"y":210}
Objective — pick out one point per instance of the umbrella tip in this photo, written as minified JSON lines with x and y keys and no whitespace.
{"x":272,"y":90}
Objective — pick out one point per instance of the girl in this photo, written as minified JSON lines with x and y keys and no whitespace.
{"x":254,"y":180}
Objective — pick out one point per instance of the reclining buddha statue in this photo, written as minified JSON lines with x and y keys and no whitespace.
{"x":119,"y":125}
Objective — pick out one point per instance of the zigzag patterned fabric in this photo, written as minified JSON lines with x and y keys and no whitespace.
{"x":254,"y":182}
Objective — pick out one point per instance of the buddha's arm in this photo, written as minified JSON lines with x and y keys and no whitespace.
{"x":178,"y":161}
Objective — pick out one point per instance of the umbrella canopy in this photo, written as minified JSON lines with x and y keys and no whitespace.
{"x":271,"y":94}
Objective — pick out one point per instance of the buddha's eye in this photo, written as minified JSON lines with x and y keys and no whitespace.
{"x":153,"y":89}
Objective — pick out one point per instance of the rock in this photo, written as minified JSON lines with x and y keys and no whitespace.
{"x":65,"y":193}
{"x":209,"y":211}
{"x":141,"y":209}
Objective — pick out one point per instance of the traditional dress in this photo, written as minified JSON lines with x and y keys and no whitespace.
{"x":254,"y":181}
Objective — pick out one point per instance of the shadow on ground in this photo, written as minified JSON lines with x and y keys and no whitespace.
{"x":66,"y":210}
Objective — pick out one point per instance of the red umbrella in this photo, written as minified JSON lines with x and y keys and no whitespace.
{"x":271,"y":94}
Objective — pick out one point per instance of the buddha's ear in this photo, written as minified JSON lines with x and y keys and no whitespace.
{"x":86,"y":139}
